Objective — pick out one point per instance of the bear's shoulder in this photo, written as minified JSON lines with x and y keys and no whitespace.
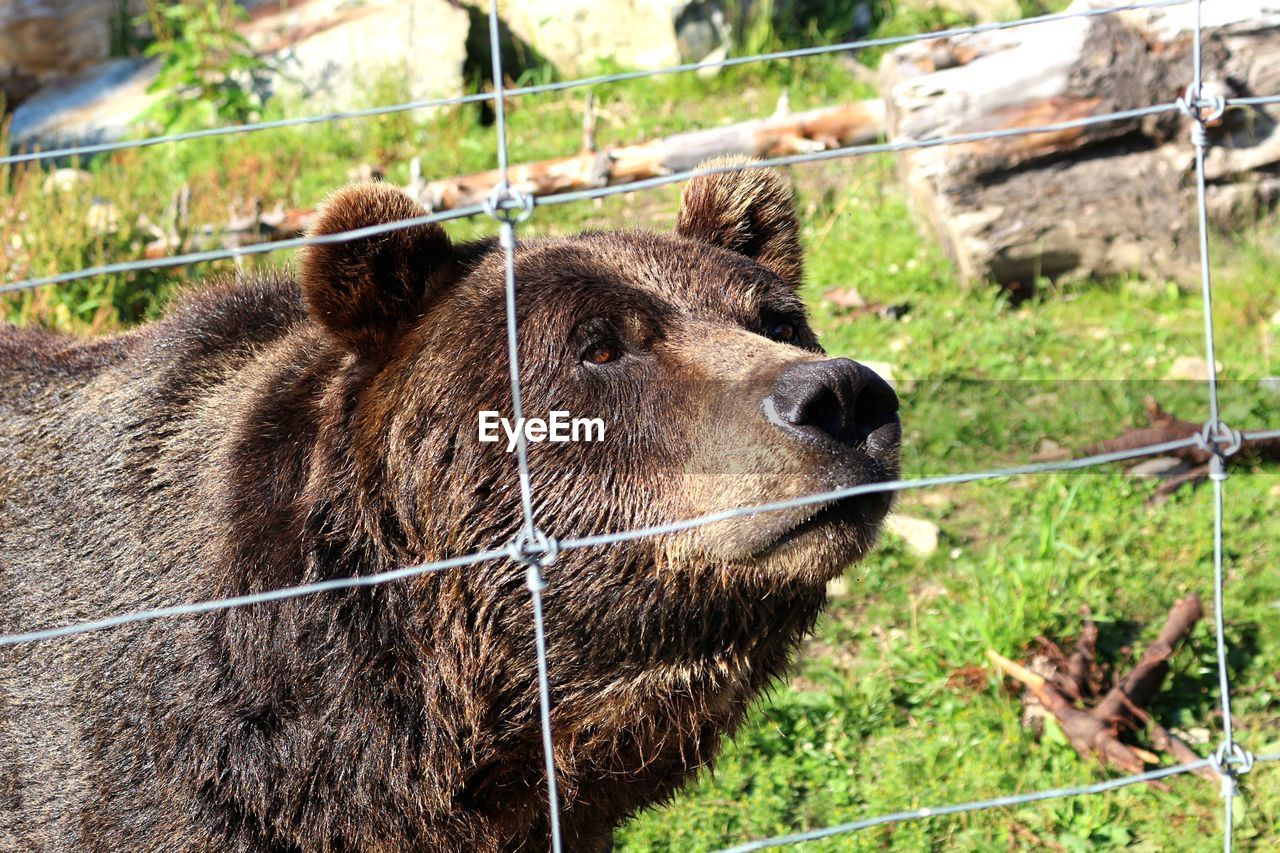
{"x":241,"y":309}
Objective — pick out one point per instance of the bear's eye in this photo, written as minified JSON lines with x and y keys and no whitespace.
{"x":783,"y":331}
{"x":601,"y":352}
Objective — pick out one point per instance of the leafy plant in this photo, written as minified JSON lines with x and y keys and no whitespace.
{"x":209,"y":73}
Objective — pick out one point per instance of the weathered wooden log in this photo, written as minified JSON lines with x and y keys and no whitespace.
{"x":786,"y":133}
{"x":1102,"y":200}
{"x":816,"y":130}
{"x":242,"y":228}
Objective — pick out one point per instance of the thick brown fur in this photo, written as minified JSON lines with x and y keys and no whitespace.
{"x":270,"y":431}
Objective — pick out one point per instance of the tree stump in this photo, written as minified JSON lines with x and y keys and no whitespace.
{"x":1104,"y":200}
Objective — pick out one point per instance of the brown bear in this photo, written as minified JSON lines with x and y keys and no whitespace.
{"x":274,"y":430}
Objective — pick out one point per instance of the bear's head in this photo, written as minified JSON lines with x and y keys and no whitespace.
{"x":690,"y":350}
{"x":362,"y":451}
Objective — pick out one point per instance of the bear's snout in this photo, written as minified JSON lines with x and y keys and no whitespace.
{"x":836,"y":402}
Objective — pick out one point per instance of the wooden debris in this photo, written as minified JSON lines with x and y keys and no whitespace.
{"x":778,"y":135}
{"x":850,"y":304}
{"x":781,"y":134}
{"x":1163,"y":427}
{"x":1096,"y":731}
{"x":244,"y":227}
{"x":1105,"y":199}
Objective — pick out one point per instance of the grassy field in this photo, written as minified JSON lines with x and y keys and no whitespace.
{"x":892,"y":707}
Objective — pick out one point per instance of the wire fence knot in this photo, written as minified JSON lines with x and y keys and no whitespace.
{"x":1232,"y":761}
{"x":508,"y":204}
{"x":1203,"y":112}
{"x":1221,"y":441}
{"x":534,"y":548}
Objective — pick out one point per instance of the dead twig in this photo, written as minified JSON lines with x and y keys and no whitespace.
{"x":1096,"y":731}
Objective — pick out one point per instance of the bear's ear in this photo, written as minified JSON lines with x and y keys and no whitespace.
{"x":750,"y":211}
{"x":362,"y":291}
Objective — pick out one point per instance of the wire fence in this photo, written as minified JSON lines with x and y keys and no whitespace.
{"x":534,"y":548}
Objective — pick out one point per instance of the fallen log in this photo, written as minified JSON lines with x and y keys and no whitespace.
{"x":782,"y":134}
{"x":241,"y":229}
{"x":1095,"y":732}
{"x":1101,"y":200}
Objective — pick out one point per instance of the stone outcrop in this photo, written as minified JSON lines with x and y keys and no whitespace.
{"x":575,"y":36}
{"x":43,"y":41}
{"x":328,"y":55}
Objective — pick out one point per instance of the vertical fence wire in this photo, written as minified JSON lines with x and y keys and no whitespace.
{"x":1215,"y":432}
{"x":531,"y":547}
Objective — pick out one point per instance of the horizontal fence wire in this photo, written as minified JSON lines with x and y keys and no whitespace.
{"x":1225,"y":760}
{"x":573,"y":543}
{"x":543,"y":88}
{"x":244,"y":251}
{"x":979,"y":805}
{"x":1256,"y":101}
{"x":579,"y":195}
{"x":280,"y":594}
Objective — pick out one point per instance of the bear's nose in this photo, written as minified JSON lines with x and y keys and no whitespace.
{"x":837,"y":398}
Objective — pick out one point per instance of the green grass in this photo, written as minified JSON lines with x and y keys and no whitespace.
{"x":892,"y":706}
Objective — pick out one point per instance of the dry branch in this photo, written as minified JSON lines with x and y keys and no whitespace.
{"x":1096,"y":731}
{"x":1082,"y":667}
{"x":241,"y":229}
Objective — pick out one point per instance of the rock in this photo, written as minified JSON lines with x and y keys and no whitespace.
{"x":65,"y":180}
{"x":576,"y":35}
{"x":1191,"y":367}
{"x":329,"y":54}
{"x":97,"y":105}
{"x":332,"y":53}
{"x":43,"y":41}
{"x":1195,"y":735}
{"x":881,"y":368}
{"x":709,"y":67}
{"x":920,"y":536}
{"x":102,"y":218}
{"x":1158,"y":468}
{"x":1050,"y":451}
